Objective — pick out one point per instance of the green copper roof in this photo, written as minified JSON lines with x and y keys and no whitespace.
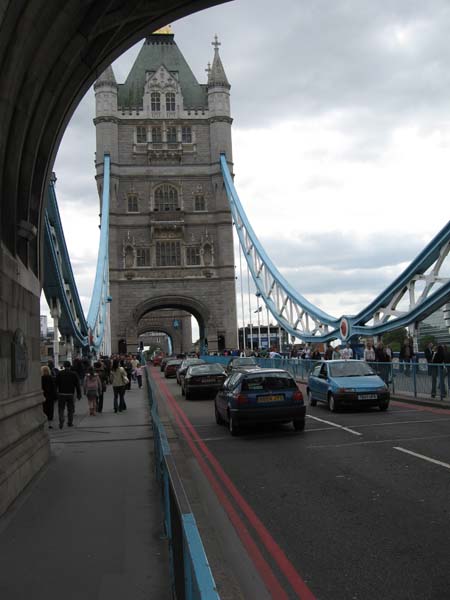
{"x":160,"y":49}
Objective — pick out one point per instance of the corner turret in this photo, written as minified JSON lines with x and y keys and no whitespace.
{"x":106,"y":121}
{"x":219,"y":107}
{"x":105,"y":89}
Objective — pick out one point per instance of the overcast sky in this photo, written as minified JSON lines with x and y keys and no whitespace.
{"x":341,"y":138}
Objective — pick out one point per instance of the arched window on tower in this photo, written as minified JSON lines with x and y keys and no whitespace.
{"x":155,"y":100}
{"x":141,"y":135}
{"x":207,"y":255}
{"x":199,"y":202}
{"x":170,"y":102}
{"x":129,"y":257}
{"x":171,"y":134}
{"x":166,"y":198}
{"x":186,"y":135}
{"x":132,"y":204}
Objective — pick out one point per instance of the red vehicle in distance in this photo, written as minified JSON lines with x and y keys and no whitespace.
{"x":171,"y":367}
{"x":157,"y":359}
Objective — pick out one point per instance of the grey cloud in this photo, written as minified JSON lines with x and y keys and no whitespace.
{"x":336,"y":250}
{"x":303,"y":58}
{"x":309,"y":281}
{"x":321,"y":181}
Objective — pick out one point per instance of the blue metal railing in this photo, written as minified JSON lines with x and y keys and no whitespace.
{"x":190,"y":573}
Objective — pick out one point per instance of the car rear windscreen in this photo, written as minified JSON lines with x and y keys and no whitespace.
{"x":206,"y":369}
{"x":280,"y":381}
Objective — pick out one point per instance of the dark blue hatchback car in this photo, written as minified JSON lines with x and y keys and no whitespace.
{"x":259,"y":396}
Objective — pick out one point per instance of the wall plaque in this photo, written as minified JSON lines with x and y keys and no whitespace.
{"x":19,"y":357}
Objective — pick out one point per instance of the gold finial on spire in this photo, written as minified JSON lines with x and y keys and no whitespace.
{"x":216,"y":42}
{"x":167,"y":29}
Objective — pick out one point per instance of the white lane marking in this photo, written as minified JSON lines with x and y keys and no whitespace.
{"x":373,"y":442}
{"x":335,"y":425}
{"x":427,"y":458}
{"x":383,"y":423}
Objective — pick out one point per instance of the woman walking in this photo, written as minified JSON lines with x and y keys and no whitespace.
{"x":139,"y":370}
{"x":92,"y":390}
{"x":103,"y":376}
{"x":50,"y":395}
{"x":369,"y":353}
{"x":119,"y":380}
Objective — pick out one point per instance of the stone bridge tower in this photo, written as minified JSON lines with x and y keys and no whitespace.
{"x":171,"y":240}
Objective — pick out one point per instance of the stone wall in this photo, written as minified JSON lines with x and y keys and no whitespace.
{"x":24,"y":443}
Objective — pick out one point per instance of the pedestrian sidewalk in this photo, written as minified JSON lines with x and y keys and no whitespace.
{"x":89,"y":527}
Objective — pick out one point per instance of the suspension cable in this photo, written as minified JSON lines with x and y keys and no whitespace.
{"x":242,"y":298}
{"x":259,"y":320}
{"x":250,"y":309}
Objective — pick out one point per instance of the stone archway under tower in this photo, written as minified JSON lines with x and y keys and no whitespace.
{"x":209,"y":329}
{"x":157,"y":341}
{"x":176,"y":324}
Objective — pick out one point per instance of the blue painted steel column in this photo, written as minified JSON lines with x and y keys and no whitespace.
{"x":203,"y":576}
{"x":100,"y":293}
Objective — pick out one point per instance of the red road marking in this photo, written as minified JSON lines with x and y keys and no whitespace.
{"x":296,"y":582}
{"x":262,"y":566}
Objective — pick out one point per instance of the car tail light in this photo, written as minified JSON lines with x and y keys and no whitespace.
{"x":297,"y":396}
{"x":241,"y":399}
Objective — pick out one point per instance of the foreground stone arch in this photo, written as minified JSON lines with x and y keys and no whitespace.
{"x":50,"y":53}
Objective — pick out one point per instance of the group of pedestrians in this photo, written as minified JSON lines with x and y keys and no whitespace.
{"x":61,"y":386}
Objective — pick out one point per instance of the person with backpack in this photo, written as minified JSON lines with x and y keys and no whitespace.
{"x":92,"y":389}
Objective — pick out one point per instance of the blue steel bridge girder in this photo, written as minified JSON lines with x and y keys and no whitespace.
{"x":98,"y":310}
{"x":59,"y":282}
{"x":422,"y":288}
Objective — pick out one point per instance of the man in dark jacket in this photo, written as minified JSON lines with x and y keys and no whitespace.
{"x":437,"y":372}
{"x":67,"y":382}
{"x":447,"y":364}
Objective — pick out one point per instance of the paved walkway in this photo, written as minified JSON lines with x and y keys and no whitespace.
{"x":89,"y":527}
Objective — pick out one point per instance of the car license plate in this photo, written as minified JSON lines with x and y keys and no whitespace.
{"x":367,"y":397}
{"x":264,"y":399}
